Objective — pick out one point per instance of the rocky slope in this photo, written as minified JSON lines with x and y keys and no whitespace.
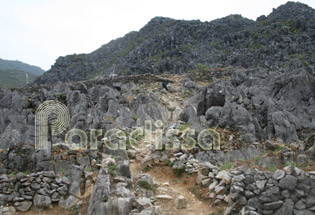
{"x":166,"y":45}
{"x":263,"y":116}
{"x":254,"y":111}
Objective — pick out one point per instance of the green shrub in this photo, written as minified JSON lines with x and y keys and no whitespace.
{"x":112,"y":169}
{"x":135,"y":117}
{"x":62,"y":98}
{"x":145,"y":169}
{"x":147,"y":186}
{"x":105,"y":199}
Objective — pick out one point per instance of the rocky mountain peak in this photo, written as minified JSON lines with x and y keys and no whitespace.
{"x":167,"y":45}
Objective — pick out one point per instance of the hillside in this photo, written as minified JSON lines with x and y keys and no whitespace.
{"x":18,"y":65}
{"x":14,"y":78}
{"x":164,"y":45}
{"x":13,"y":73}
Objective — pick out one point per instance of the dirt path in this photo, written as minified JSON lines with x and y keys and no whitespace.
{"x":169,"y":184}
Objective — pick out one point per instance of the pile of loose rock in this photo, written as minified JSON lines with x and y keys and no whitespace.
{"x":185,"y":162}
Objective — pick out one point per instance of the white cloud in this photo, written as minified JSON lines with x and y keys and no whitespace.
{"x":38,"y":32}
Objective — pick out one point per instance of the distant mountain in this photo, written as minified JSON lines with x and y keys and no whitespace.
{"x":280,"y":41}
{"x":13,"y":73}
{"x":18,"y":65}
{"x":15,"y":78}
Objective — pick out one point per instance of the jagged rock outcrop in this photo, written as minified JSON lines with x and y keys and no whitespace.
{"x":164,"y":45}
{"x":264,"y":104}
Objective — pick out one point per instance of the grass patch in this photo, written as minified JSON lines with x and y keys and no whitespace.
{"x":272,"y":168}
{"x":226,"y":166}
{"x":179,"y":172}
{"x":145,"y":169}
{"x":88,"y":169}
{"x":256,"y":158}
{"x":154,"y":200}
{"x":182,"y":127}
{"x":292,"y":163}
{"x":278,"y":149}
{"x":112,"y":169}
{"x":62,"y":171}
{"x":147,"y":186}
{"x":186,"y":92}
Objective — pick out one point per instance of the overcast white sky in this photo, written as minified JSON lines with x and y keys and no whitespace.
{"x":39,"y":31}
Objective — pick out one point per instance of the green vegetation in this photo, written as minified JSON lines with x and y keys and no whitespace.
{"x":186,"y":92}
{"x":182,"y":127}
{"x":302,"y":165}
{"x":170,"y":163}
{"x":105,"y":199}
{"x":88,"y":169}
{"x":179,"y":172}
{"x":272,"y":168}
{"x":145,"y":169}
{"x":147,"y":186}
{"x":263,"y":22}
{"x":226,"y":166}
{"x":137,"y":136}
{"x":62,"y":171}
{"x":293,"y":27}
{"x":154,"y":200}
{"x":62,"y":98}
{"x":214,"y":44}
{"x":279,"y":149}
{"x":292,"y":163}
{"x":12,"y":173}
{"x":135,"y":117}
{"x":112,"y":169}
{"x":256,"y":158}
{"x":14,"y":78}
{"x":20,"y":66}
{"x":125,"y":71}
{"x":266,"y":152}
